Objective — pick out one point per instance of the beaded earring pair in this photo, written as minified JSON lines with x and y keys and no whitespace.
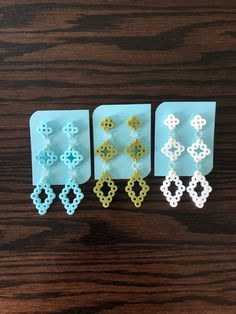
{"x":198,"y":151}
{"x":106,"y":151}
{"x":47,"y":158}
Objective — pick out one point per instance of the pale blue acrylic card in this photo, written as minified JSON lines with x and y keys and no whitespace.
{"x":121,"y":164}
{"x":185,"y":111}
{"x":57,"y":119}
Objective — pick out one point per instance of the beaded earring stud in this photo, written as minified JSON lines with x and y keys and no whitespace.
{"x":106,"y":152}
{"x":136,"y":150}
{"x":46,"y":157}
{"x":71,"y":158}
{"x":198,"y":151}
{"x":172,"y":149}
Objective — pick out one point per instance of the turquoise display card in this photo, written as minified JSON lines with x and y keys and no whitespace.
{"x":185,"y":134}
{"x":121,"y":164}
{"x":57,"y":119}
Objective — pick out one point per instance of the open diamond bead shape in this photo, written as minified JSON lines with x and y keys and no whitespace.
{"x":199,"y":200}
{"x":46,"y":158}
{"x":136,"y":150}
{"x":106,"y":151}
{"x":171,"y":121}
{"x":42,"y":207}
{"x":137,"y":199}
{"x":172,"y":199}
{"x":70,"y":130}
{"x":168,"y":152}
{"x":198,"y":122}
{"x":71,"y":158}
{"x":105,"y":200}
{"x":71,"y":206}
{"x":203,"y":153}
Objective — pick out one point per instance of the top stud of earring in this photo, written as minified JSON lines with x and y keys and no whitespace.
{"x":134,"y":123}
{"x":107,"y":124}
{"x":198,"y":122}
{"x":171,"y":121}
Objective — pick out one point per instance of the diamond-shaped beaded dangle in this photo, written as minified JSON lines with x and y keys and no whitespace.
{"x":198,"y":151}
{"x":46,"y":157}
{"x":106,"y":152}
{"x":172,"y":150}
{"x":136,"y":150}
{"x":71,"y":158}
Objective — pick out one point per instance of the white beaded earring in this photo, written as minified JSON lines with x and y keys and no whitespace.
{"x":171,"y":122}
{"x":198,"y":151}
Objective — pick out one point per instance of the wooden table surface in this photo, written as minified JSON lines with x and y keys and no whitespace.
{"x":80,"y":54}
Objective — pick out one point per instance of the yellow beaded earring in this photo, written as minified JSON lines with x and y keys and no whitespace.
{"x":136,"y":150}
{"x":106,"y":152}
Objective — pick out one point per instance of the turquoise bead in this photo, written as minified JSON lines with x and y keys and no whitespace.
{"x":70,"y":129}
{"x":71,"y":206}
{"x":46,"y":158}
{"x":71,"y":158}
{"x":42,"y":207}
{"x":44,"y":129}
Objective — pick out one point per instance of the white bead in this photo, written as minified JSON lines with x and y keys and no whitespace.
{"x":199,"y":144}
{"x":198,"y":122}
{"x":172,"y":199}
{"x":106,"y":166}
{"x":199,"y":200}
{"x":171,"y":121}
{"x":107,"y":136}
{"x":134,"y":134}
{"x":166,"y":149}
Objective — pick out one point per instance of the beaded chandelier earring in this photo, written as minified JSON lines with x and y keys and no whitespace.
{"x":106,"y":152}
{"x":136,"y":150}
{"x":46,"y":158}
{"x":198,"y":151}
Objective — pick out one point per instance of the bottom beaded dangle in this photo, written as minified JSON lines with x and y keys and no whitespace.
{"x":71,"y":206}
{"x":42,"y":206}
{"x":172,"y":199}
{"x":201,"y":199}
{"x":105,"y":178}
{"x":137,"y":199}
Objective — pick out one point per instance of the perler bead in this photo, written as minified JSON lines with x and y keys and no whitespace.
{"x":44,"y":129}
{"x":71,"y":158}
{"x":133,"y":122}
{"x":171,"y":121}
{"x":46,"y":158}
{"x":198,"y":150}
{"x":106,"y":151}
{"x":105,"y":178}
{"x":136,"y":150}
{"x":198,"y":122}
{"x":168,"y":151}
{"x":199,"y":200}
{"x":42,"y":207}
{"x":107,"y":124}
{"x":172,"y":199}
{"x":70,"y":130}
{"x":137,"y":199}
{"x":71,"y":206}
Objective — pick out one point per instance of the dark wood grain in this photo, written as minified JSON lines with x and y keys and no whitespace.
{"x":79,"y":54}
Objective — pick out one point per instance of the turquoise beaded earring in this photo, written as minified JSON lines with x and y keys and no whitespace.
{"x":46,"y":157}
{"x":71,"y":158}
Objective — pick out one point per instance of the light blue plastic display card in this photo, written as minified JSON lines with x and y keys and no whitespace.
{"x":57,"y":119}
{"x":121,"y":164}
{"x":185,"y":111}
